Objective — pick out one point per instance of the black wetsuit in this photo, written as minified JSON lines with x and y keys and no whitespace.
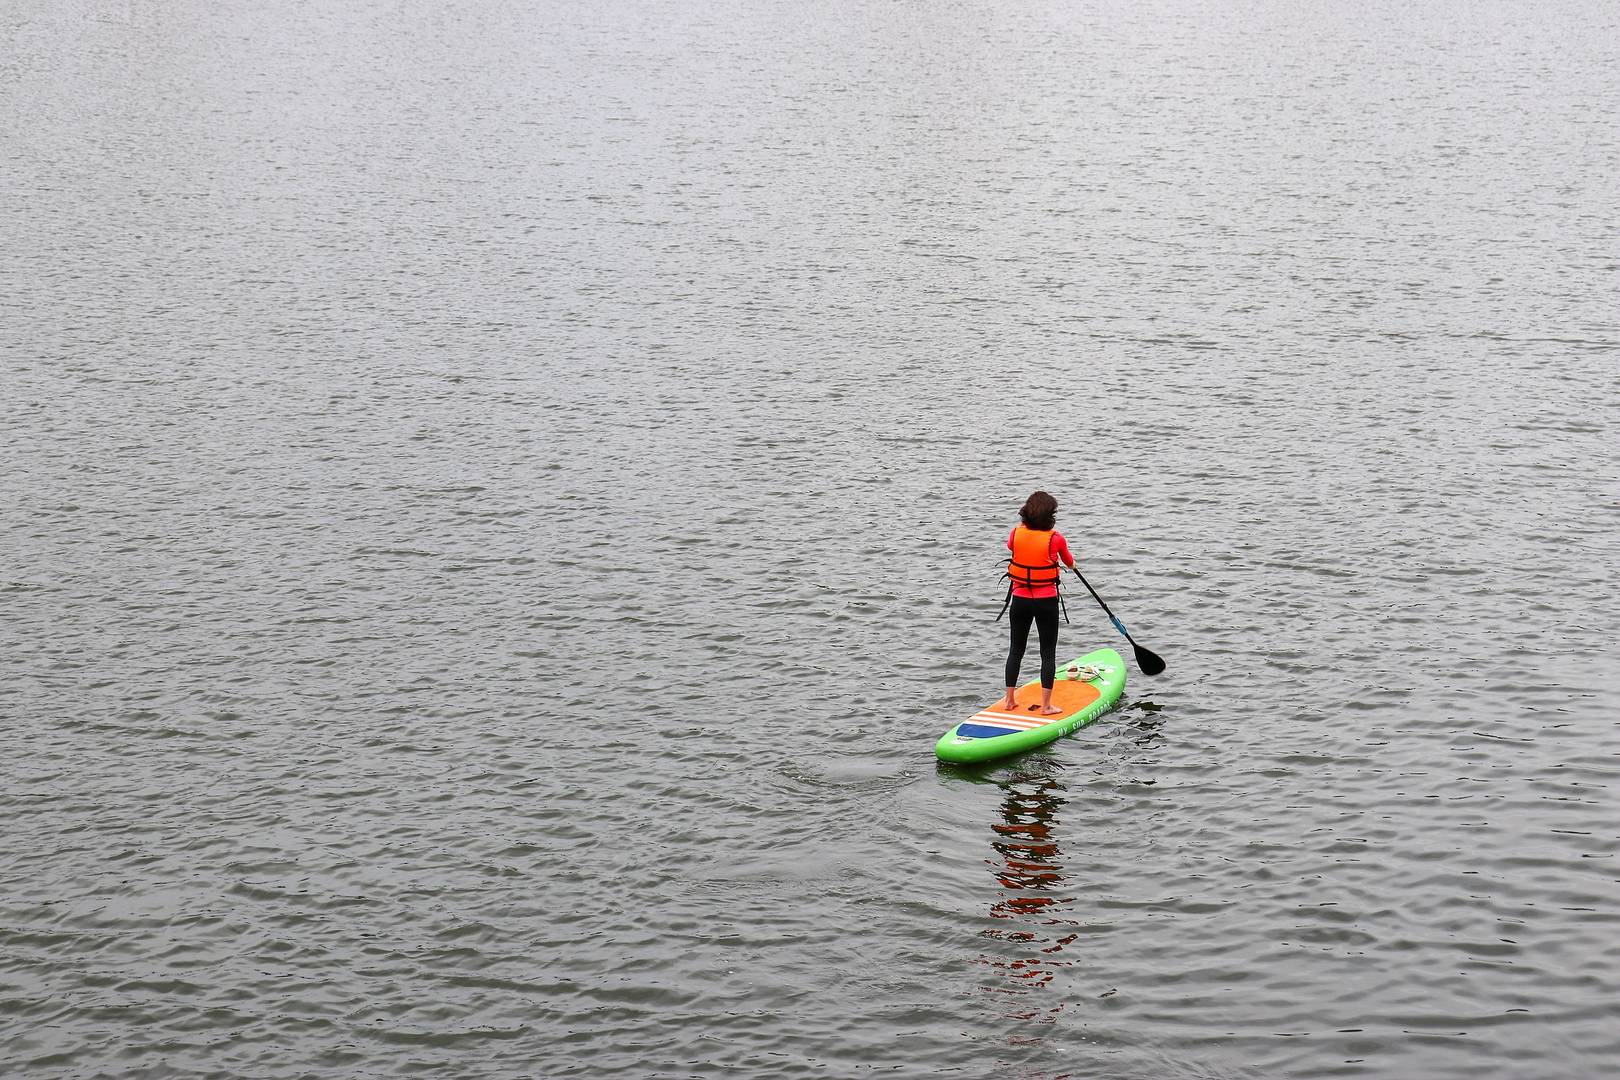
{"x":1044,"y":614}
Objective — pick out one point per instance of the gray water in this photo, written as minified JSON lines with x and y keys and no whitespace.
{"x":500,"y":500}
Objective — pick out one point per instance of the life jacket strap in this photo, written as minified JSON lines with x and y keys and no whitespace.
{"x":1028,"y":577}
{"x":1007,"y":603}
{"x":1028,"y":580}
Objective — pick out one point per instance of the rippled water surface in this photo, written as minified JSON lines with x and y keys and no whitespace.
{"x":501,"y":498}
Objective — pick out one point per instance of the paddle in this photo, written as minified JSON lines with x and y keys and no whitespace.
{"x":1146,"y":659}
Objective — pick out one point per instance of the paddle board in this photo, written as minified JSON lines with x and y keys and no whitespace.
{"x":993,"y":732}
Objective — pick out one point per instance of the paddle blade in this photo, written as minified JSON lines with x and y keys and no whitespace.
{"x":1148,"y":660}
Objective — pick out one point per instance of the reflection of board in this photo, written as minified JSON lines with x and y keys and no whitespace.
{"x":993,"y":731}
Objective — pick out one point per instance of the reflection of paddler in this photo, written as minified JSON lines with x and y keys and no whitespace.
{"x":1039,"y":553}
{"x":1031,"y":875}
{"x":1024,"y":839}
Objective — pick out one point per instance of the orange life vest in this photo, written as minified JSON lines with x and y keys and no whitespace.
{"x":1032,"y":563}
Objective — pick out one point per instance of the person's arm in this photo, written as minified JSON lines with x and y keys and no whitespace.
{"x":1060,"y":548}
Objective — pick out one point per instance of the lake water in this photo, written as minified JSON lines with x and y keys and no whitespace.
{"x":500,"y":500}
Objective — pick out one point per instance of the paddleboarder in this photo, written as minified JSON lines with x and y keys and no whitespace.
{"x":1038,"y":554}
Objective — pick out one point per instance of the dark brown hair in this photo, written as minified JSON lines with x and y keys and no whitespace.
{"x":1039,"y":511}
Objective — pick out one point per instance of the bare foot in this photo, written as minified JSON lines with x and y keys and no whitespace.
{"x":1008,"y":703}
{"x":1050,"y":711}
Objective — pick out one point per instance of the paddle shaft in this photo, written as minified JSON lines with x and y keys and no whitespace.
{"x":1147,"y":660}
{"x":1117,"y":624}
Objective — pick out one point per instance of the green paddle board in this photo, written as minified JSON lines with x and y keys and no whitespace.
{"x":1086,"y":688}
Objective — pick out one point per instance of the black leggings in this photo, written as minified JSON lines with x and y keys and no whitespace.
{"x":1044,"y":614}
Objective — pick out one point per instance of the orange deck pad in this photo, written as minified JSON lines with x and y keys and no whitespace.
{"x":1070,"y":695}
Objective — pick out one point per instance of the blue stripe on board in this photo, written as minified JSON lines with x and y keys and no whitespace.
{"x":983,"y":731}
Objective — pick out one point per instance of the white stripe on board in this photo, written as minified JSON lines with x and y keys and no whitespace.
{"x":1021,"y":716}
{"x":1015,"y":721}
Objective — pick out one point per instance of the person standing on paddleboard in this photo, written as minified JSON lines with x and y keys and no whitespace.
{"x":1038,"y":553}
